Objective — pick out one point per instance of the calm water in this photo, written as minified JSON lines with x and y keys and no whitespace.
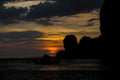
{"x":64,"y":65}
{"x":66,"y":70}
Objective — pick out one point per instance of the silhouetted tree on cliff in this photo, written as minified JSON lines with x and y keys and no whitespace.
{"x":70,"y":46}
{"x":98,"y":47}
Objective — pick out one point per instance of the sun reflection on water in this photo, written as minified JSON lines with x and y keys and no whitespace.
{"x":49,"y":67}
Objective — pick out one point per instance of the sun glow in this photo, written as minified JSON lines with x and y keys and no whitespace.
{"x":52,"y":48}
{"x":51,"y":38}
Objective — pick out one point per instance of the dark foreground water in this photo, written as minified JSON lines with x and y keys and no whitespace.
{"x":67,"y":70}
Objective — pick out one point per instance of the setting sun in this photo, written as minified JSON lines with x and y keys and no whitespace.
{"x":52,"y":50}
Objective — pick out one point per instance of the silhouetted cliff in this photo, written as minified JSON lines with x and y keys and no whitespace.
{"x":104,"y":47}
{"x":96,"y":47}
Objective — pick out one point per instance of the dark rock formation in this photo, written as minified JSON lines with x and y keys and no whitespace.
{"x":70,"y":45}
{"x":103,"y":47}
{"x":47,"y":60}
{"x":96,"y":47}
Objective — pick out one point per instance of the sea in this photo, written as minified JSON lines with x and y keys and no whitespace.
{"x":80,"y":69}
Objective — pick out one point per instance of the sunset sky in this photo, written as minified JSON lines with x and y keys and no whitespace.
{"x":34,"y":28}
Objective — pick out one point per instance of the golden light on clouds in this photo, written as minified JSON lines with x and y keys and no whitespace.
{"x":22,"y":4}
{"x":55,"y":38}
{"x":32,"y":30}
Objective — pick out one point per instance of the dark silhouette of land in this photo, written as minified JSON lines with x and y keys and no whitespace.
{"x":70,"y":46}
{"x":47,"y":60}
{"x":96,"y":48}
{"x":93,"y":47}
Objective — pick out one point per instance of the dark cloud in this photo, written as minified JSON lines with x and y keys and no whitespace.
{"x":92,"y":19}
{"x":10,"y":15}
{"x":83,"y":32}
{"x":46,"y":21}
{"x":25,"y":40}
{"x":89,"y":24}
{"x":21,"y":53}
{"x":21,"y":35}
{"x":26,"y":37}
{"x":2,"y":1}
{"x":63,"y":8}
{"x":47,"y":10}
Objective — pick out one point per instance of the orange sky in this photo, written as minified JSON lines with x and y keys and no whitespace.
{"x":81,"y":24}
{"x":53,"y":34}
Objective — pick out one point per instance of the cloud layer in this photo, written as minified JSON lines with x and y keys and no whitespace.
{"x":24,"y":37}
{"x":20,"y":35}
{"x":47,"y":10}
